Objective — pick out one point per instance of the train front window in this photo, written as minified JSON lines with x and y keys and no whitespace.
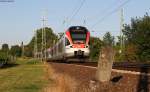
{"x":78,"y":37}
{"x":78,"y":34}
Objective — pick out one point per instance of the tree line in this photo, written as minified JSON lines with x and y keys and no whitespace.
{"x":136,"y":42}
{"x":136,"y":39}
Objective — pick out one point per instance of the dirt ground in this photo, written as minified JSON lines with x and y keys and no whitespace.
{"x":70,"y":78}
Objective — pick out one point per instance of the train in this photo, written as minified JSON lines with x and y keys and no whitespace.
{"x":72,"y":46}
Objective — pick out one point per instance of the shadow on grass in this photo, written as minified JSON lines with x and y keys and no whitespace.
{"x":9,"y":66}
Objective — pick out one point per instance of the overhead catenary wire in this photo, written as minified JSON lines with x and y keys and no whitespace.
{"x":110,"y":13}
{"x":76,"y":11}
{"x":104,"y":10}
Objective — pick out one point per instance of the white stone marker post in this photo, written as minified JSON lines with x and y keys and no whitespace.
{"x":105,"y":63}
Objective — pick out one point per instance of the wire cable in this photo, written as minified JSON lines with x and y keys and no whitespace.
{"x":104,"y":10}
{"x":76,"y":11}
{"x":110,"y":13}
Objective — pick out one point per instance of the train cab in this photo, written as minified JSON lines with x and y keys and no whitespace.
{"x":74,"y":44}
{"x":77,"y":42}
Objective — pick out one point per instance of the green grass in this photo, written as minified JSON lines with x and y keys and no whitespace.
{"x":27,"y":76}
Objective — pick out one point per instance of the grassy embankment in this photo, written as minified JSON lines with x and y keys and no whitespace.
{"x":24,"y":76}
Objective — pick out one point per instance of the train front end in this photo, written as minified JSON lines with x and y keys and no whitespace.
{"x":77,"y":42}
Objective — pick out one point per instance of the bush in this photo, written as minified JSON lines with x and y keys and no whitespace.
{"x":5,"y":58}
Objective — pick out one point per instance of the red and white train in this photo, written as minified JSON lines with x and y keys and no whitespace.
{"x":73,"y":45}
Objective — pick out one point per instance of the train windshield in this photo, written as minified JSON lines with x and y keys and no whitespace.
{"x":78,"y":36}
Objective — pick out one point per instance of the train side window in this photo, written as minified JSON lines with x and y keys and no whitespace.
{"x":67,"y":42}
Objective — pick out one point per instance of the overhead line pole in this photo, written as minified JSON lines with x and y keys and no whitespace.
{"x":43,"y":48}
{"x":121,"y":33}
{"x":42,"y":44}
{"x":35,"y":44}
{"x":22,"y":45}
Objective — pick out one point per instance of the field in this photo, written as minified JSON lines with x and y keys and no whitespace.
{"x":24,"y":76}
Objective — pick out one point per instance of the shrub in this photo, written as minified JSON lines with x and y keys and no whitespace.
{"x":5,"y":58}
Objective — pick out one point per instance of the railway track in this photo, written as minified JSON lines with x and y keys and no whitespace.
{"x":137,"y":67}
{"x":129,"y":66}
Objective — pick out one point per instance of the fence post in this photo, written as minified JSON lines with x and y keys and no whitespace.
{"x":105,"y":63}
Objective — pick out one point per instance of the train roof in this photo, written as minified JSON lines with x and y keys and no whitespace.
{"x":77,"y":28}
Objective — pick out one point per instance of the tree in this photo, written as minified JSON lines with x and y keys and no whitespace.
{"x":60,"y":34}
{"x":4,"y":51}
{"x":4,"y":54}
{"x":108,"y":39}
{"x":15,"y":51}
{"x":28,"y":52}
{"x":50,"y":38}
{"x":95,"y":46}
{"x":138,"y":33}
{"x":5,"y":47}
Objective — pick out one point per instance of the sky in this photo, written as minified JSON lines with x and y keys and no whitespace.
{"x":20,"y":18}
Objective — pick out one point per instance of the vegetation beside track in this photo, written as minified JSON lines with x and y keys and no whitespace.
{"x":135,"y":39}
{"x":24,"y":76}
{"x":4,"y":58}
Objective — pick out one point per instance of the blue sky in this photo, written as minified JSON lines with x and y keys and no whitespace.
{"x":20,"y":18}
